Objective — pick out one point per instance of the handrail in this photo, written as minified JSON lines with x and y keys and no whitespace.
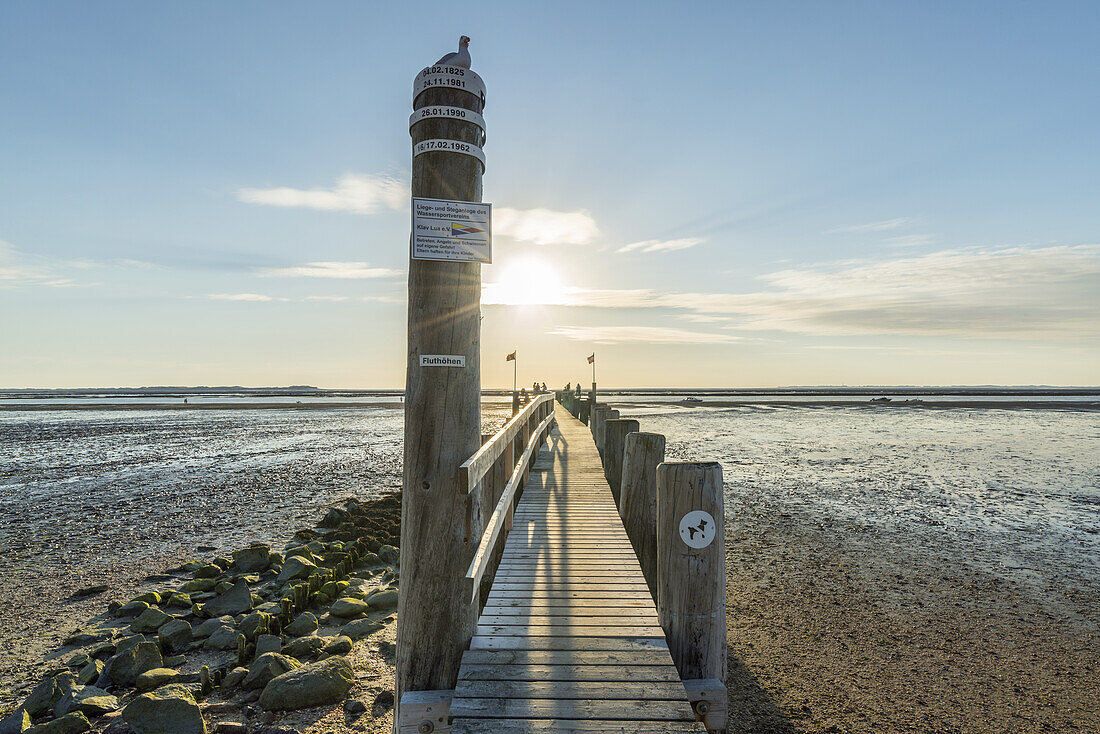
{"x":496,"y":522}
{"x":483,"y":459}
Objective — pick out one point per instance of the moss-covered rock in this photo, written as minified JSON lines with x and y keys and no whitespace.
{"x":149,"y":621}
{"x":297,"y":568}
{"x":304,"y":624}
{"x":266,"y":667}
{"x":124,"y":668}
{"x":155,"y":678}
{"x":348,"y":607}
{"x":171,"y":709}
{"x":74,"y":723}
{"x":236,"y":600}
{"x":327,"y":681}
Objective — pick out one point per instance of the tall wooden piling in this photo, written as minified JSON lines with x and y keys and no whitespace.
{"x":440,"y":523}
{"x":642,"y":452}
{"x":599,"y":433}
{"x":691,"y":579}
{"x":615,"y":433}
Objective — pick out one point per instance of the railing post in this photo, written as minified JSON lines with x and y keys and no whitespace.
{"x":615,"y":432}
{"x":600,"y":435}
{"x":435,"y":618}
{"x":642,"y":452}
{"x":691,"y":581}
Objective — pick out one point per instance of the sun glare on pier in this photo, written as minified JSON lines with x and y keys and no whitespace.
{"x":526,"y":283}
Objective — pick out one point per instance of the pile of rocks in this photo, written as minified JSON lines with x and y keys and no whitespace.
{"x":249,"y":623}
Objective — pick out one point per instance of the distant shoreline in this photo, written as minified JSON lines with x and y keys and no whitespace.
{"x":1068,"y":405}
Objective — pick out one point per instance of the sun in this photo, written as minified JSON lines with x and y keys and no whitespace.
{"x":528,"y":282}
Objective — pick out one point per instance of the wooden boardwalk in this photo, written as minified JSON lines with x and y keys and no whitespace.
{"x":569,"y":639}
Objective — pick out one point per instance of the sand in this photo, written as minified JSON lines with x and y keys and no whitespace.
{"x":838,"y":629}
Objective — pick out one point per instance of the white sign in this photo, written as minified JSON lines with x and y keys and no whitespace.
{"x":451,"y":230}
{"x":697,"y":529}
{"x":449,"y":77}
{"x":449,"y":146}
{"x":449,"y":113}
{"x":442,"y":360}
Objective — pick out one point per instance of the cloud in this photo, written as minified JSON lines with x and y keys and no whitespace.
{"x":545,"y":226}
{"x":883,"y":226}
{"x":341,"y":270}
{"x":356,"y":193}
{"x":243,"y":297}
{"x":661,"y":245}
{"x":910,"y":240}
{"x":1049,"y":293}
{"x":19,"y":269}
{"x":644,"y":334}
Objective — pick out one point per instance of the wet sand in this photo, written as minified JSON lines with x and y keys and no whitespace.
{"x":840,"y":628}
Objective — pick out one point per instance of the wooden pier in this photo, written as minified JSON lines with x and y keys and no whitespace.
{"x":569,"y":638}
{"x":523,"y":606}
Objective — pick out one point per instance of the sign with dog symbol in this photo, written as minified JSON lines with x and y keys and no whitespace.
{"x":697,"y":529}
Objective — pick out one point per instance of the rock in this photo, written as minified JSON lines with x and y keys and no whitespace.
{"x":296,"y":567}
{"x":149,"y":621}
{"x":91,"y":591}
{"x":266,"y":667}
{"x":73,"y":723}
{"x":230,"y":727}
{"x":349,"y":607}
{"x":222,"y":562}
{"x":44,"y":696}
{"x":370,"y":559}
{"x":154,"y":678}
{"x":361,"y":628}
{"x":315,"y":684}
{"x":304,"y":624}
{"x":386,"y":599}
{"x":235,"y":601}
{"x":224,"y":638}
{"x":334,"y":588}
{"x":119,"y":727}
{"x":333,"y":518}
{"x":235,"y":677}
{"x":79,"y":660}
{"x":88,"y":700}
{"x":382,"y":702}
{"x":268,"y":643}
{"x":103,"y":650}
{"x":389,"y":554}
{"x":175,"y":661}
{"x":304,"y":647}
{"x":255,"y":557}
{"x":132,"y":609}
{"x":198,"y":585}
{"x":16,"y":723}
{"x":209,"y":571}
{"x":250,"y":624}
{"x":354,"y":707}
{"x":149,"y":597}
{"x":174,"y":634}
{"x":124,"y":668}
{"x":178,"y":599}
{"x":338,"y":645}
{"x":223,"y":586}
{"x":168,"y":710}
{"x":207,"y":628}
{"x":90,"y":672}
{"x":84,"y":637}
{"x":127,"y":642}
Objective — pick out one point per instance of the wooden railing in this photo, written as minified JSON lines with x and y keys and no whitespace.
{"x":496,"y":476}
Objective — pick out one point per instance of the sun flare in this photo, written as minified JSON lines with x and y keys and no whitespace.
{"x":529,"y":282}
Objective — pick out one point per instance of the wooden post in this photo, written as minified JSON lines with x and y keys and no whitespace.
{"x":691,"y":579}
{"x":615,"y":432}
{"x":606,"y":415}
{"x":440,"y":523}
{"x":642,"y":452}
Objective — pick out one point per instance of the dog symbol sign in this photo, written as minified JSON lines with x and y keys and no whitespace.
{"x":697,"y":529}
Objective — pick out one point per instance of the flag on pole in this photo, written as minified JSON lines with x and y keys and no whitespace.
{"x":592,"y":358}
{"x":511,"y":357}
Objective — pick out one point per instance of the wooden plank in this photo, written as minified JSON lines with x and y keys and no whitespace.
{"x":568,"y":629}
{"x":565,"y":690}
{"x":494,"y":642}
{"x":602,"y":673}
{"x":546,"y":708}
{"x":614,"y":618}
{"x":559,"y":726}
{"x":577,"y":658}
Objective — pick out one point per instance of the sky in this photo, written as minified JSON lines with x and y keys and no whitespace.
{"x":734,"y":194}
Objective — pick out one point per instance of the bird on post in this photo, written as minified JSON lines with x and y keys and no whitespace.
{"x":461,"y":57}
